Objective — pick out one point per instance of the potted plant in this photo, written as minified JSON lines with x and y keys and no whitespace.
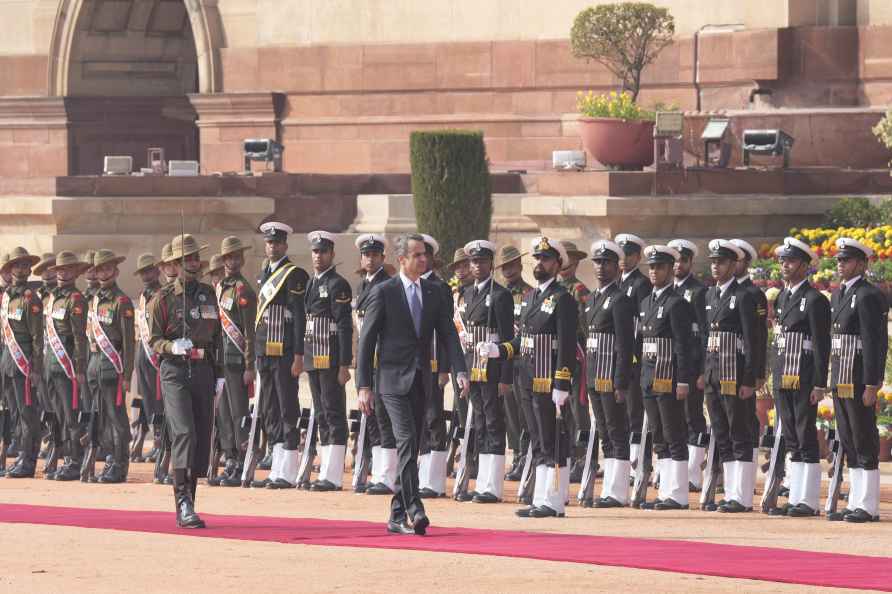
{"x":625,"y":38}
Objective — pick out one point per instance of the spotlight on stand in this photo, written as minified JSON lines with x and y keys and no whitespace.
{"x":716,"y":149}
{"x":263,"y":150}
{"x":769,"y":143}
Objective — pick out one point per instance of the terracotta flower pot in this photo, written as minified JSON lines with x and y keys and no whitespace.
{"x":885,"y":447}
{"x":617,"y":143}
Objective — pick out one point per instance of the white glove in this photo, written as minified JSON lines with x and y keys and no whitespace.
{"x":181,"y":346}
{"x":219,"y":388}
{"x":488,"y":349}
{"x":465,"y":338}
{"x":559,"y":397}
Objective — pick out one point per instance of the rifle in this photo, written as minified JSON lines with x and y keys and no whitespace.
{"x":141,"y":426}
{"x":253,"y":453}
{"x":527,"y":478}
{"x":162,"y":461}
{"x":838,"y":454}
{"x":462,"y":474}
{"x":358,"y":422}
{"x":5,"y":436}
{"x":55,"y":441}
{"x":214,"y":459}
{"x":305,"y":469}
{"x":587,"y":488}
{"x":91,"y":439}
{"x":644,"y":465}
{"x":713,"y":471}
{"x":453,"y":438}
{"x":774,"y":479}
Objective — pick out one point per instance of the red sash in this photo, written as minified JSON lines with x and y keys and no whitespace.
{"x":18,"y":355}
{"x":108,"y":349}
{"x":229,"y":326}
{"x":58,"y":348}
{"x":142,"y":329}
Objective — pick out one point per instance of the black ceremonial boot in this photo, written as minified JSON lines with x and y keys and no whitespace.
{"x":182,"y":491}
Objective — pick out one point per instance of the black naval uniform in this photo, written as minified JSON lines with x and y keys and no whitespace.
{"x":667,"y":343}
{"x":694,"y":292}
{"x":276,"y":348}
{"x":545,"y":349}
{"x":802,"y":357}
{"x":378,"y":429}
{"x":761,"y":344}
{"x":731,"y":316}
{"x":328,"y":345}
{"x":636,"y":286}
{"x":609,"y":317}
{"x":859,"y":342}
{"x":488,"y":317}
{"x":515,"y":421}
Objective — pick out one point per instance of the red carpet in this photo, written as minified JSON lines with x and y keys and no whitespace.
{"x":757,"y":563}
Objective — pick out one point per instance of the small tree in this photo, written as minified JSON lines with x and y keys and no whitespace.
{"x":451,"y":187}
{"x":624,"y":37}
{"x":883,"y":131}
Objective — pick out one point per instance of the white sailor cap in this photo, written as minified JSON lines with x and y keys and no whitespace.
{"x":321,"y":239}
{"x":276,"y":230}
{"x":542,"y":246}
{"x":852,"y":248}
{"x":371,"y":242}
{"x":631,"y":244}
{"x":661,"y":254}
{"x":794,"y":248}
{"x":685,"y":247}
{"x":604,"y":249}
{"x":431,"y":243}
{"x":480,"y":248}
{"x":747,"y":248}
{"x":722,"y":248}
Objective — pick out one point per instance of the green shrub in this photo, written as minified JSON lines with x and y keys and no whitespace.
{"x":624,"y":37}
{"x":451,"y":187}
{"x":854,"y":212}
{"x":883,"y":130}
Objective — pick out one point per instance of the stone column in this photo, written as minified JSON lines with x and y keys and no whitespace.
{"x":227,"y":119}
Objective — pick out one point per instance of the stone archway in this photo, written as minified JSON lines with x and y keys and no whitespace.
{"x":204,"y":23}
{"x":125,"y":69}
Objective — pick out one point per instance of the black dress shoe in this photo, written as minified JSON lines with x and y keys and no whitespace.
{"x":802,"y":511}
{"x":280,"y":483}
{"x":361,"y":488}
{"x":860,"y":516}
{"x":485,"y":498}
{"x":420,"y":523}
{"x":465,"y":496}
{"x":69,"y":473}
{"x":400,"y":527}
{"x":732,"y":507}
{"x":114,"y":475}
{"x":524,"y":512}
{"x":782,"y":511}
{"x":588,"y":503}
{"x":260,"y":484}
{"x":427,"y":493}
{"x":378,"y":489}
{"x":650,"y":504}
{"x":669,"y":505}
{"x":543,"y":511}
{"x":838,"y":516}
{"x":607,"y":502}
{"x":230,"y":481}
{"x":23,"y":470}
{"x":324,"y":486}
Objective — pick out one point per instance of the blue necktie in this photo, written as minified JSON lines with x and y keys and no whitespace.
{"x":415,"y":308}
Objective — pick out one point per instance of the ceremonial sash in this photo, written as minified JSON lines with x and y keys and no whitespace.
{"x":18,"y":355}
{"x":108,"y":349}
{"x":142,"y":327}
{"x":58,"y":348}
{"x":268,"y":292}
{"x":229,"y":326}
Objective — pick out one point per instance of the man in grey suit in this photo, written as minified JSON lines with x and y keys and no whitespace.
{"x":400,"y":319}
